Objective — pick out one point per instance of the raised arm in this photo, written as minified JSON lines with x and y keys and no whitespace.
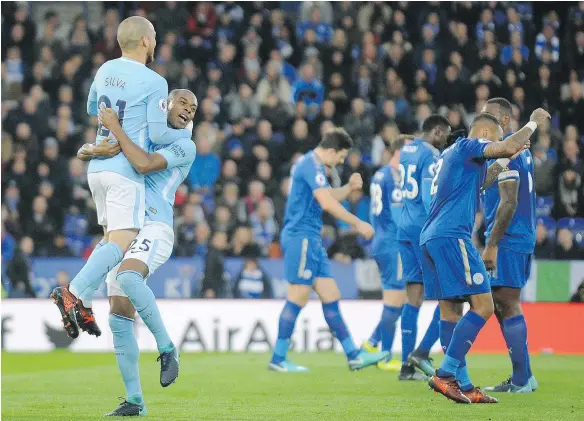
{"x":142,"y":161}
{"x":515,"y":143}
{"x":341,"y":193}
{"x":157,"y":114}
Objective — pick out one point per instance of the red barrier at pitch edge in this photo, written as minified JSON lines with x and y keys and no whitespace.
{"x":551,"y":327}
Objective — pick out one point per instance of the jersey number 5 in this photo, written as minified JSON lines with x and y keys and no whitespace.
{"x":101,"y":130}
{"x":434,"y":186}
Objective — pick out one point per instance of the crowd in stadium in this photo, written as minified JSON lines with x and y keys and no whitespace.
{"x":270,"y":78}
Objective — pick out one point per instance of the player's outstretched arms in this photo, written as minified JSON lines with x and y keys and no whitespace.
{"x":332,"y":206}
{"x":508,"y":190}
{"x":142,"y":161}
{"x":104,"y":150}
{"x":515,"y":143}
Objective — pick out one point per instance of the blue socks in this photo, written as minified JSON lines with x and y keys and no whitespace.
{"x":515,"y":333}
{"x":127,"y":353}
{"x":101,"y":261}
{"x":446,"y":331}
{"x":432,"y":334}
{"x":388,"y":320}
{"x":142,"y":297}
{"x":375,"y":336}
{"x":409,"y":328}
{"x":333,"y":317}
{"x":464,"y":335}
{"x":288,"y":318}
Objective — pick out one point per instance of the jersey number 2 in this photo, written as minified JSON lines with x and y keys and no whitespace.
{"x":434,"y":187}
{"x":101,"y":130}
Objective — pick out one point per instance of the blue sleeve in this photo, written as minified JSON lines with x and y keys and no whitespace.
{"x":473,"y":148}
{"x":314,"y":176}
{"x":177,"y":154}
{"x":300,"y":30}
{"x":92,"y":100}
{"x":157,"y":115}
{"x":295,"y":90}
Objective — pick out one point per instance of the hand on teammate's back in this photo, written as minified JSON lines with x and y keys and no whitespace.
{"x":539,"y":116}
{"x":107,"y":148}
{"x":365,"y":230}
{"x":108,"y":117}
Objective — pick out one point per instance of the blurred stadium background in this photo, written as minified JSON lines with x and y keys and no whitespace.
{"x":270,"y":77}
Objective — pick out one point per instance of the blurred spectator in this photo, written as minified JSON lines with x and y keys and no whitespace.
{"x":213,"y":283}
{"x":280,"y":201}
{"x":252,"y":281}
{"x":19,"y":268}
{"x":544,"y":247}
{"x":567,"y":248}
{"x":201,"y":23}
{"x":41,"y":227}
{"x":244,"y":106}
{"x":578,"y":296}
{"x":346,"y":248}
{"x":248,"y":204}
{"x":360,"y":125}
{"x":323,"y":30}
{"x":516,"y":44}
{"x":264,"y":225}
{"x":547,"y":40}
{"x":570,"y":193}
{"x":60,"y":248}
{"x":186,"y":226}
{"x":205,"y":170}
{"x":572,"y":109}
{"x":242,"y":237}
{"x":308,"y":90}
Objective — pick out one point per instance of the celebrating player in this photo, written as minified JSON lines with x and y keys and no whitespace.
{"x":166,"y":168}
{"x":417,"y":163}
{"x":385,"y":211}
{"x":452,"y":267}
{"x":510,"y":220}
{"x":306,"y":262}
{"x":140,"y":96}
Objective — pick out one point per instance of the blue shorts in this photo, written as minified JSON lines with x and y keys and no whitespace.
{"x":305,"y":259}
{"x":513,"y":269}
{"x":453,"y":268}
{"x":411,"y":261}
{"x":389,"y":270}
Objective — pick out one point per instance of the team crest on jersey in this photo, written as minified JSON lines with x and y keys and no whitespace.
{"x":320,"y":179}
{"x":163,"y":105}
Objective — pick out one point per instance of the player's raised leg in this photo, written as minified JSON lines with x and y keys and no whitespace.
{"x":121,"y":321}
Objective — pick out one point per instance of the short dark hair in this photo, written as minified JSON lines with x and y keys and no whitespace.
{"x":485,"y":117}
{"x":435,"y":120}
{"x":337,"y":139}
{"x":504,"y":104}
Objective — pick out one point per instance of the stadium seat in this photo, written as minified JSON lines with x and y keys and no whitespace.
{"x":544,"y":206}
{"x":576,"y":225}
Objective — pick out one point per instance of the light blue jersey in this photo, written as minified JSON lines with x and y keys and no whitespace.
{"x":417,"y":162}
{"x":303,"y":214}
{"x":459,"y":175}
{"x":161,"y":186}
{"x":139,"y":96}
{"x":385,"y":209}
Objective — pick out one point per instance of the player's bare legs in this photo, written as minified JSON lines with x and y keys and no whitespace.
{"x":329,"y":295}
{"x":510,"y":315}
{"x":131,"y":276}
{"x":121,"y":321}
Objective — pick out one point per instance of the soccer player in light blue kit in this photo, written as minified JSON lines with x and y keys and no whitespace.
{"x":385,"y":210}
{"x":510,"y":220}
{"x":139,"y":95}
{"x":452,"y":267}
{"x":166,"y":168}
{"x":417,"y":163}
{"x":305,"y":258}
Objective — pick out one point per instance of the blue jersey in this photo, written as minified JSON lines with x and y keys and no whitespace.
{"x":384,"y":209}
{"x":139,"y":96}
{"x":520,"y":235}
{"x":303,"y":214}
{"x":460,"y":173}
{"x":417,"y":162}
{"x":161,"y":186}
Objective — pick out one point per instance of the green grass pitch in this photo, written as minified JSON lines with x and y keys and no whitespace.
{"x":82,"y":387}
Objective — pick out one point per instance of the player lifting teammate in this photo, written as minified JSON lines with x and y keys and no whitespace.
{"x":452,"y":267}
{"x":306,"y":262}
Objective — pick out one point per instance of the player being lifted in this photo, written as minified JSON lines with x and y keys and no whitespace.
{"x":165,"y":167}
{"x":385,"y":210}
{"x":510,"y":220}
{"x":305,"y":258}
{"x":140,"y":96}
{"x":452,"y":267}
